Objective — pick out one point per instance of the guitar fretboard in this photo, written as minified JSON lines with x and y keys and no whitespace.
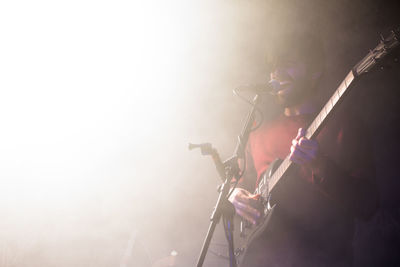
{"x":265,"y":186}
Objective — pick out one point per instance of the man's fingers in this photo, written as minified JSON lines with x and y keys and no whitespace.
{"x":300,"y":133}
{"x":253,"y":200}
{"x":304,"y":142}
{"x":308,"y":147}
{"x":238,"y":194}
{"x":250,"y":214}
{"x":311,"y":152}
{"x":305,"y":156}
{"x":247,"y":205}
{"x":296,"y":159}
{"x":246,"y":216}
{"x":299,"y":157}
{"x":253,"y":208}
{"x":249,"y":198}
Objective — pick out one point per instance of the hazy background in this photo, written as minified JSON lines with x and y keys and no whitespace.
{"x":99,"y":99}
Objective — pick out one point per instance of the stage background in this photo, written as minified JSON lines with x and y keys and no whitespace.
{"x":99,"y":101}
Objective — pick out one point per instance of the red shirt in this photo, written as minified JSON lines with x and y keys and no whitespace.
{"x":273,"y":140}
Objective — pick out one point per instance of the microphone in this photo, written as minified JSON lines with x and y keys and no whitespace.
{"x":272,"y":87}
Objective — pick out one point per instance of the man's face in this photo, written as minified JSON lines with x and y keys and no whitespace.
{"x":294,"y":85}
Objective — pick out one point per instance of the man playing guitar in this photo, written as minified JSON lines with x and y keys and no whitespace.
{"x":332,"y":182}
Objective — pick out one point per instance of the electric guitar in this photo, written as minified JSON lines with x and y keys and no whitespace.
{"x":373,"y":60}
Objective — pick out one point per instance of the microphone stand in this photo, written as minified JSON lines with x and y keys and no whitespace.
{"x":226,"y":170}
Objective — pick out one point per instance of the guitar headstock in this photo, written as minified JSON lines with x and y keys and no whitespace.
{"x":376,"y":56}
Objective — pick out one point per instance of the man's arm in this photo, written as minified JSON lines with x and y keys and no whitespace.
{"x":353,"y":187}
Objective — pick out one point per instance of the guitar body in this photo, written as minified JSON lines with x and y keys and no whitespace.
{"x":250,"y":235}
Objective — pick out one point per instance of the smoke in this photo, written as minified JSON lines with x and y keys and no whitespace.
{"x":98,"y":103}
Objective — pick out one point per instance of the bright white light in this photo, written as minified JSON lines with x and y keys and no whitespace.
{"x":83,"y":84}
{"x":98,"y":100}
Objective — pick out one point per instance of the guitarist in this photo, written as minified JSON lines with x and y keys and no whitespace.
{"x":332,"y":181}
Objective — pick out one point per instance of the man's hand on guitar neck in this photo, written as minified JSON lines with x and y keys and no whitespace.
{"x":304,"y":151}
{"x":247,"y":205}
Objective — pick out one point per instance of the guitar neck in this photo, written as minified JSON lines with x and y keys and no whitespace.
{"x":315,"y":127}
{"x":327,"y":110}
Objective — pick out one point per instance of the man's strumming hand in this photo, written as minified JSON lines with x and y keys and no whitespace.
{"x":247,"y":205}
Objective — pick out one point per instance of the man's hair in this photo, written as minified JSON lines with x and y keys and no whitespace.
{"x":304,"y":47}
